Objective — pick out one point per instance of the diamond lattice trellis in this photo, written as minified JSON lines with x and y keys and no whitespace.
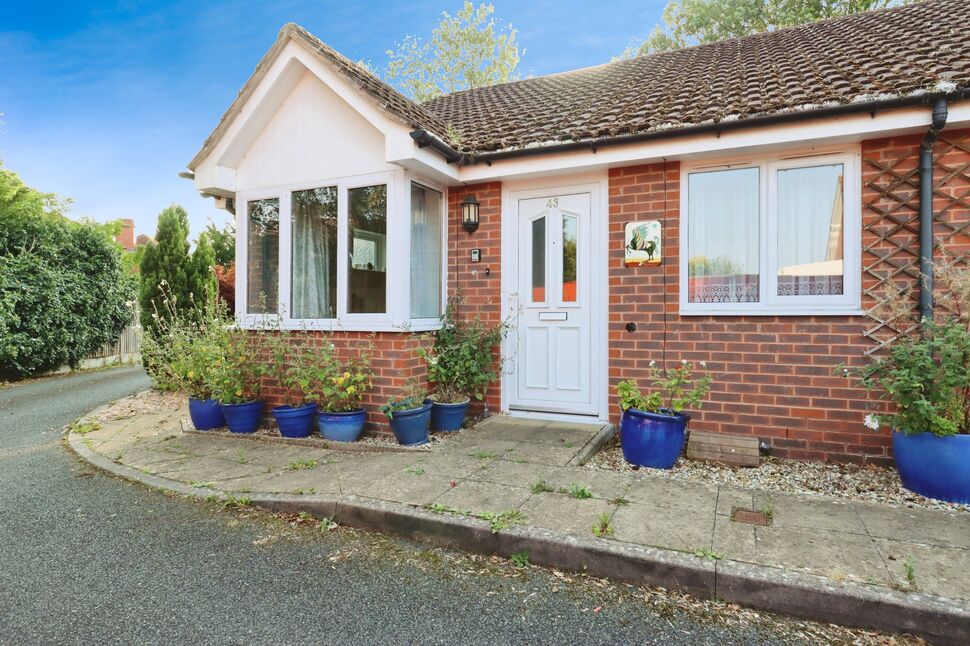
{"x":891,"y":250}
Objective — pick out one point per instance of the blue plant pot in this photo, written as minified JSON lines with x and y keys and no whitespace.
{"x":295,"y":421}
{"x":448,"y":417}
{"x":411,"y":426}
{"x":243,"y":418}
{"x":342,"y":427}
{"x":651,"y":439}
{"x":935,"y":467}
{"x":206,"y":414}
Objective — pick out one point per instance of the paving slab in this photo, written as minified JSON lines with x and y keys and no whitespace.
{"x":483,"y":496}
{"x":562,"y":513}
{"x":930,"y":527}
{"x":323,"y":478}
{"x":837,"y":555}
{"x":671,"y":494}
{"x":404,"y":488}
{"x":684,"y":529}
{"x":944,"y":571}
{"x":810,"y":512}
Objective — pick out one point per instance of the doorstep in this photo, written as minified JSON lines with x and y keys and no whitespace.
{"x":864,"y":564}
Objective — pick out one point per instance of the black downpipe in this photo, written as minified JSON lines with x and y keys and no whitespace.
{"x":926,"y":210}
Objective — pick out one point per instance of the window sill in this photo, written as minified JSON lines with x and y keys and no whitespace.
{"x":773,"y":311}
{"x":337,"y":326}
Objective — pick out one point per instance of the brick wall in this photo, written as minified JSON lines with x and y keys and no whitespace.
{"x":394,"y":362}
{"x":481,"y":292}
{"x":775,"y":375}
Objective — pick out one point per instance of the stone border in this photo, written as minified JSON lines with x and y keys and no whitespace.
{"x":593,"y":446}
{"x":807,"y":596}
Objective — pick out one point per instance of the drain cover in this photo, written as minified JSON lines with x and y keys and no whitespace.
{"x":750,"y":516}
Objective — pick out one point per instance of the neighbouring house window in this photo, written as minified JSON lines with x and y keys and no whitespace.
{"x":569,"y":240}
{"x":367,"y":270}
{"x":426,"y":252}
{"x":773,"y":236}
{"x":262,"y":257}
{"x":313,"y":274}
{"x":810,"y":231}
{"x":723,"y":232}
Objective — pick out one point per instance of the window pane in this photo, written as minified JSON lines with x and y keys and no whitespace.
{"x":723,"y":236}
{"x":569,"y":258}
{"x":425,"y":252}
{"x":539,"y":260}
{"x":810,"y":231}
{"x":263,"y":256}
{"x":314,"y":271}
{"x":367,"y":274}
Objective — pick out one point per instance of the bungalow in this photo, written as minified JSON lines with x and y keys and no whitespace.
{"x":743,"y":203}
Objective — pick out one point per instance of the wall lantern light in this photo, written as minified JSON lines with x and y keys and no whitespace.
{"x":469,"y":214}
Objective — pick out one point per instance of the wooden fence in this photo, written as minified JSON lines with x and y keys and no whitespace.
{"x":126,"y":349}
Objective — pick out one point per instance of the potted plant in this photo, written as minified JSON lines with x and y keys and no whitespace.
{"x":180,"y":349}
{"x":234,"y":381}
{"x":409,"y":416}
{"x":652,"y":428}
{"x":461,"y":364}
{"x":294,"y":370}
{"x":341,"y":391}
{"x":926,"y":376}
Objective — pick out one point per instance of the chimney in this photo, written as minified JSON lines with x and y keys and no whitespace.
{"x":127,"y":236}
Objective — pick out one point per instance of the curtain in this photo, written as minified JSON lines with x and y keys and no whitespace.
{"x":313,"y":281}
{"x":425,"y":252}
{"x":810,"y":216}
{"x":723,"y":236}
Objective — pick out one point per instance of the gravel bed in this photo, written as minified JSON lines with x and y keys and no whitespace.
{"x":145,"y":402}
{"x":863,"y":483}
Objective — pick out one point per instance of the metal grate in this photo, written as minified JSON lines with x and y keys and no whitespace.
{"x":892,"y":227}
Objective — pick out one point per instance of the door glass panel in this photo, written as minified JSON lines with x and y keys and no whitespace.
{"x":569,"y":226}
{"x":810,"y":231}
{"x":723,"y":236}
{"x":263,"y":256}
{"x":367,"y":274}
{"x":539,"y":260}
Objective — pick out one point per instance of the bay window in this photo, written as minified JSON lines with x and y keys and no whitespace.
{"x":775,"y":236}
{"x":358,"y":253}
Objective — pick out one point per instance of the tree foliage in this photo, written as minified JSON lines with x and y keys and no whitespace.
{"x":693,"y":22}
{"x":169,"y":270}
{"x":222,"y":241}
{"x":63,"y":290}
{"x":467,"y":50}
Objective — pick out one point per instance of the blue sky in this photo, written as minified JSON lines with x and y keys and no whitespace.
{"x":106,"y":102}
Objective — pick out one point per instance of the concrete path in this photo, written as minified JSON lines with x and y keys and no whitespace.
{"x":88,"y":559}
{"x":903,"y":566}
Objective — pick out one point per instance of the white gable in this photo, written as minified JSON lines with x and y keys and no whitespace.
{"x":314,"y":135}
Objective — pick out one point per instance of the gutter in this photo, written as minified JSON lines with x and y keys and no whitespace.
{"x":926,"y":209}
{"x":425,"y":138}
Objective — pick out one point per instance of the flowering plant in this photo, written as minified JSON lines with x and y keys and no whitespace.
{"x":926,"y":373}
{"x":461,"y":361}
{"x":673,"y":391}
{"x":182,"y":348}
{"x":236,"y":370}
{"x":342,"y":386}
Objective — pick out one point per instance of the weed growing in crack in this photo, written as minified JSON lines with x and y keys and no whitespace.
{"x":578,"y":491}
{"x":603,"y":527}
{"x":541,"y":486}
{"x":300,"y":465}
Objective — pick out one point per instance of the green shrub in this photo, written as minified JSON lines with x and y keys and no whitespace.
{"x":673,"y":391}
{"x":63,"y":291}
{"x":462,"y":361}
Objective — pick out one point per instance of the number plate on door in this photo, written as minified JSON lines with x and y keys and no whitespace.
{"x":553,"y":316}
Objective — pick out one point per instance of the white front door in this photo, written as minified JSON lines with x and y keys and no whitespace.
{"x":553,"y":369}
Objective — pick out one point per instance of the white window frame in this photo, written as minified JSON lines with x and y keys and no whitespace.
{"x":395,"y":318}
{"x":429,"y":322}
{"x":770,"y":304}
